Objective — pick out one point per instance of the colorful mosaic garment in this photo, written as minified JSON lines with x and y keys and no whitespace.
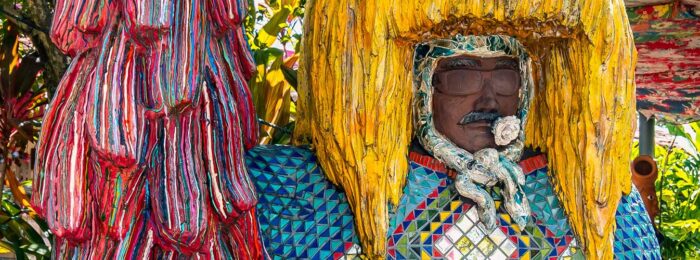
{"x":302,"y":215}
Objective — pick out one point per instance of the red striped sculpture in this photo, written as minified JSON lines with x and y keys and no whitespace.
{"x":141,"y":152}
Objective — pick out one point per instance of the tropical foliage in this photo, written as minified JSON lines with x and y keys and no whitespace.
{"x":678,"y":190}
{"x":274,"y":31}
{"x":22,"y":231}
{"x":32,"y":19}
{"x":22,"y":101}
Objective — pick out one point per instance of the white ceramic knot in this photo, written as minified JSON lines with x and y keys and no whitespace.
{"x":506,"y":129}
{"x":488,"y":157}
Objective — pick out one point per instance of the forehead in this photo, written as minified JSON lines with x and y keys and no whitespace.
{"x":474,"y":62}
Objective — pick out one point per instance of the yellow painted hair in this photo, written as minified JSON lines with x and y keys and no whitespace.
{"x":356,"y":95}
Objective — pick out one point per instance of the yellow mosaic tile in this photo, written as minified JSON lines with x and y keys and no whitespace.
{"x":464,"y":245}
{"x":486,"y":246}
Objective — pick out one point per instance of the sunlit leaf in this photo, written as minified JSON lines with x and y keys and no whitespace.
{"x":681,"y":230}
{"x":268,"y":35}
{"x":678,"y":189}
{"x":274,"y":98}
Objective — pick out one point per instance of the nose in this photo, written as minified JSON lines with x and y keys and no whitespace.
{"x":487,"y":101}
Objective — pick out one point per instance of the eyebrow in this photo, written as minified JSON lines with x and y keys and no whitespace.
{"x":466,"y":63}
{"x":460,"y":64}
{"x":507,"y":64}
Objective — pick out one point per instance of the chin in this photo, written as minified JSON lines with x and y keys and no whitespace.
{"x":472,"y":148}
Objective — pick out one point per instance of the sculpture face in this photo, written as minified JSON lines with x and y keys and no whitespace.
{"x":472,"y":92}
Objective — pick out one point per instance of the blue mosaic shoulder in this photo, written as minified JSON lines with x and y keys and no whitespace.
{"x":302,"y":215}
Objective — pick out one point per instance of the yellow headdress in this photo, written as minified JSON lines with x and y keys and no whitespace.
{"x":356,"y":97}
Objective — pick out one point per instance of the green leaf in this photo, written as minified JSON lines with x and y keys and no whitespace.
{"x":36,"y":249}
{"x":267,"y":56}
{"x":677,"y":130}
{"x":290,"y":75}
{"x":268,"y":35}
{"x":696,"y":128}
{"x":681,"y":230}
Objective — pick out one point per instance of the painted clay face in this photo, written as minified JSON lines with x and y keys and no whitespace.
{"x":471,"y":93}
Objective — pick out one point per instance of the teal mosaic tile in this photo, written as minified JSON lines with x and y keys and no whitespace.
{"x":304,"y":216}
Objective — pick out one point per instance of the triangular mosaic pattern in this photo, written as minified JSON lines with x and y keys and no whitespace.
{"x":544,"y":203}
{"x":634,"y":234}
{"x":447,"y":226}
{"x":302,"y":215}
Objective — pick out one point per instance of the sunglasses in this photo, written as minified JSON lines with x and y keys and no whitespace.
{"x":459,"y":82}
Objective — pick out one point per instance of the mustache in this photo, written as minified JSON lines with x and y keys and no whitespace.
{"x":478,"y":116}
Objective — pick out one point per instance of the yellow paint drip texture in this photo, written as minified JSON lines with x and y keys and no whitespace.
{"x":356,"y":99}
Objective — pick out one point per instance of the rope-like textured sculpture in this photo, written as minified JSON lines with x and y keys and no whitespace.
{"x":356,"y":98}
{"x":142,"y":147}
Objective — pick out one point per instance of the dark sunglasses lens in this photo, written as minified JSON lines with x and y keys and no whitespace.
{"x":458,"y":82}
{"x":506,"y":82}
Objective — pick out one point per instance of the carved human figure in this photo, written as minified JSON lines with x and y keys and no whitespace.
{"x":471,"y":183}
{"x":471,"y":93}
{"x":141,"y":153}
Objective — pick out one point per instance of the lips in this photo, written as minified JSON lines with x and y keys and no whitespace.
{"x":480,"y":124}
{"x":481,"y":127}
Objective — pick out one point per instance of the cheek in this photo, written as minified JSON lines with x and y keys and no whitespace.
{"x":451,"y":108}
{"x":508,"y":106}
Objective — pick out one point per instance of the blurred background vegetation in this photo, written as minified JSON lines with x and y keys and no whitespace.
{"x":31,"y":67}
{"x":273,"y":28}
